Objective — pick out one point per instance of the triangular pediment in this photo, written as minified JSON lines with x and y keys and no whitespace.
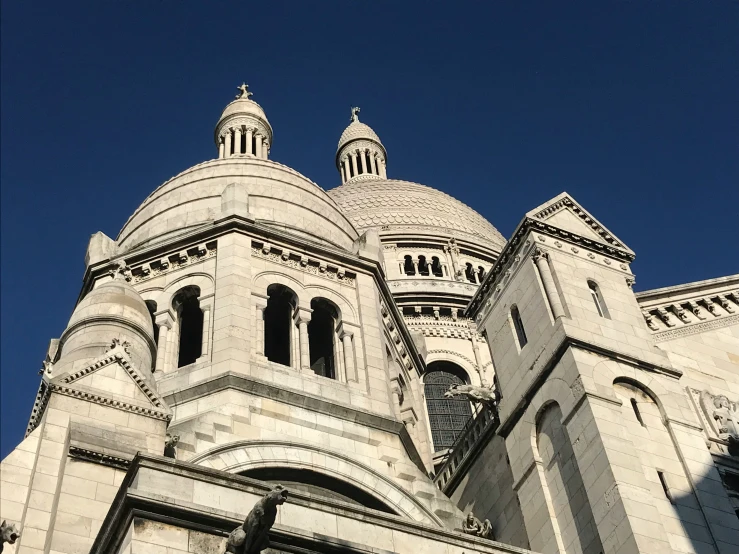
{"x":564,"y":213}
{"x":114,"y":380}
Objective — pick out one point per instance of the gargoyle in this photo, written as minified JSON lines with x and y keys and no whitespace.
{"x":482,"y":529}
{"x":251,"y":537}
{"x":481,"y":395}
{"x":8,"y":533}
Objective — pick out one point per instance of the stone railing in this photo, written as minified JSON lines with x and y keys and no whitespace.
{"x":476,"y":428}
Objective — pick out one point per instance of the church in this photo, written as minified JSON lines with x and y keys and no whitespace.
{"x":260,"y":364}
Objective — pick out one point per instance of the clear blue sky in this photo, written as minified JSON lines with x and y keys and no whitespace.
{"x":631,"y":106}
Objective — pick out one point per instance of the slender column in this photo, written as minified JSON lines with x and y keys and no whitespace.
{"x":545,"y":272}
{"x":295,"y":342}
{"x":362,"y":162}
{"x":415,"y":267}
{"x":342,"y":170}
{"x":258,"y":145}
{"x":478,"y":360}
{"x":353,"y":156}
{"x":339,"y":369}
{"x":383,"y":170}
{"x":304,"y":351}
{"x":376,"y":163}
{"x":228,"y":143}
{"x":237,"y":140}
{"x":260,"y":329}
{"x":221,"y":147}
{"x":247,"y":150}
{"x":162,"y":347}
{"x":206,"y":330}
{"x":265,"y":148}
{"x":351,"y":370}
{"x":347,"y":170}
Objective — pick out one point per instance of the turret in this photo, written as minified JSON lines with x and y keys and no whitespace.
{"x":360,"y":154}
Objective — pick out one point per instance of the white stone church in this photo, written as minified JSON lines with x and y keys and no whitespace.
{"x":416,"y":382}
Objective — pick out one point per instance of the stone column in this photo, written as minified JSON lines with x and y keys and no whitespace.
{"x":221,"y":147}
{"x":249,"y":141}
{"x":376,"y":162}
{"x":415,"y":267}
{"x":362,"y":161}
{"x":347,"y":168}
{"x":237,"y":140}
{"x":265,"y":148}
{"x":478,"y":359}
{"x":162,"y":346}
{"x":206,"y":329}
{"x":229,"y":136}
{"x":383,"y":169}
{"x":353,"y":157}
{"x":541,"y":259}
{"x":339,"y":368}
{"x":302,"y":318}
{"x":258,"y":145}
{"x":260,"y":328}
{"x":349,"y":361}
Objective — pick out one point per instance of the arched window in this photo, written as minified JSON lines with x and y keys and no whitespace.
{"x":518,"y":326}
{"x":480,"y":273}
{"x":190,"y":325}
{"x":597,"y":297}
{"x":408,"y":267}
{"x":278,"y":323}
{"x":152,"y":310}
{"x":423,"y":266}
{"x":470,"y":273}
{"x":436,"y":269}
{"x":322,"y":337}
{"x":447,"y":416}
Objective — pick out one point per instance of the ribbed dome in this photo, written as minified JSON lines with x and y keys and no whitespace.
{"x":357,"y":131}
{"x":243,"y":106}
{"x":114,"y":298}
{"x":405,"y":207}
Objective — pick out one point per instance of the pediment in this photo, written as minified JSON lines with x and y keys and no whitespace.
{"x":114,"y":380}
{"x":564,"y":213}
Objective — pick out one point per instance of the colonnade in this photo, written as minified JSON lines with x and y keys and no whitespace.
{"x":230,"y":144}
{"x":361,"y":162}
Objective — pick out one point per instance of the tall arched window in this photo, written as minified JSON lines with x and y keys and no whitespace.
{"x":322,"y":337}
{"x":447,"y":416}
{"x":518,"y":326}
{"x":408,"y":267}
{"x":436,"y":269}
{"x":278,"y":323}
{"x":190,"y":325}
{"x":469,"y":272}
{"x":423,"y":266}
{"x":480,"y":273}
{"x":597,"y":297}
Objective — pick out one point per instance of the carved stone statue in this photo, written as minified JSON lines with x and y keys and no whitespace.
{"x":251,"y":537}
{"x":482,"y":529}
{"x":355,"y":115}
{"x":724,"y":416}
{"x":121,"y":271}
{"x":8,"y":533}
{"x":244,"y":88}
{"x":116,"y":342}
{"x":482,"y":395}
{"x":170,"y":446}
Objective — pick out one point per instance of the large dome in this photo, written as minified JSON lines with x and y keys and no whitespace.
{"x":411,"y":208}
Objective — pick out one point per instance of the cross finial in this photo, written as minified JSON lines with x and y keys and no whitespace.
{"x":244,"y":88}
{"x":355,"y":114}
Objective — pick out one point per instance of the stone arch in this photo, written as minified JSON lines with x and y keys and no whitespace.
{"x":263,"y":280}
{"x":347,"y":312}
{"x":243,"y":455}
{"x":468,"y":365}
{"x":203,"y":281}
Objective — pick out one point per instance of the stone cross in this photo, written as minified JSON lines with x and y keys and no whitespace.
{"x":355,"y":115}
{"x":244,"y":88}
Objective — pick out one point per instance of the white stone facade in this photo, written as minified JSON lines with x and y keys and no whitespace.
{"x":288,"y":334}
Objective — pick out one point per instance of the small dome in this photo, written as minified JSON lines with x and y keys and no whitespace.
{"x":243,"y":106}
{"x":116,"y":299}
{"x":242,"y":114}
{"x":357,"y":131}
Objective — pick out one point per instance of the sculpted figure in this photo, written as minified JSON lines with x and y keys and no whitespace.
{"x":725,"y":414}
{"x":482,"y":529}
{"x":8,"y":533}
{"x":170,"y":446}
{"x":251,"y":537}
{"x":355,"y":114}
{"x":482,"y":395}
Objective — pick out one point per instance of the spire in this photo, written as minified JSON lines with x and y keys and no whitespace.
{"x":243,"y":129}
{"x":360,"y":155}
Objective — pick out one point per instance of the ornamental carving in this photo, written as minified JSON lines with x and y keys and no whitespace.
{"x":174,"y":261}
{"x":252,"y":537}
{"x":482,"y":529}
{"x":302,"y":262}
{"x":243,"y":121}
{"x":8,"y":533}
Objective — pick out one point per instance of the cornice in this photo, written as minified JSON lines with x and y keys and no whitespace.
{"x":113,"y":403}
{"x":670,"y":334}
{"x":99,"y":458}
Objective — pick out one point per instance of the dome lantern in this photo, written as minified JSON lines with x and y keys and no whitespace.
{"x":243,"y":129}
{"x":360,"y":155}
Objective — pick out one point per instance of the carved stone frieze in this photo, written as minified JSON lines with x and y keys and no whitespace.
{"x":171,"y":262}
{"x":720,"y":417}
{"x":303,"y":262}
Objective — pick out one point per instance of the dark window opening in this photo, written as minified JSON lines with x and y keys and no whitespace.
{"x":408,"y":267}
{"x":243,"y":144}
{"x":447,"y":416}
{"x":470,"y":273}
{"x":190,"y":318}
{"x":637,"y":413}
{"x":436,"y":269}
{"x":321,"y":337}
{"x":423,"y":266}
{"x":152,"y":310}
{"x":278,"y":323}
{"x":480,"y":273}
{"x":318,"y":484}
{"x":597,"y":297}
{"x":518,"y":326}
{"x":665,"y":488}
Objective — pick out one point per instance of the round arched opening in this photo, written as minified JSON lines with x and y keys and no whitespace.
{"x":318,"y":484}
{"x":447,"y":416}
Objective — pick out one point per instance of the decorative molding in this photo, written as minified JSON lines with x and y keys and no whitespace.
{"x":99,"y":458}
{"x":173,"y":261}
{"x":694,"y":329}
{"x":302,"y":262}
{"x":121,"y":405}
{"x":457,"y":354}
{"x":39,"y":406}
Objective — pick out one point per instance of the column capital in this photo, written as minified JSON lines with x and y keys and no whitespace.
{"x":164,"y":318}
{"x":538,"y":254}
{"x":302,"y":315}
